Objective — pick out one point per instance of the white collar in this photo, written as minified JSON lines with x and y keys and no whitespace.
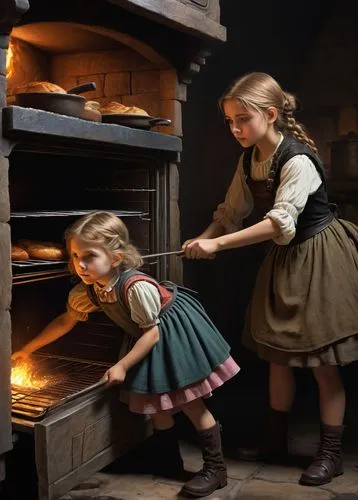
{"x":269,"y":158}
{"x":111,"y":283}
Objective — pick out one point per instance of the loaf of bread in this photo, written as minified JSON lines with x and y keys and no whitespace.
{"x":114,"y":107}
{"x":39,"y":87}
{"x":93,"y":105}
{"x":18,"y":253}
{"x":44,"y":250}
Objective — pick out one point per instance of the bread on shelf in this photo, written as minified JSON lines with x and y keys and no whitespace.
{"x":114,"y":107}
{"x":39,"y":87}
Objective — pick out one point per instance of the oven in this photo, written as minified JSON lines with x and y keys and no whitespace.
{"x":55,"y":168}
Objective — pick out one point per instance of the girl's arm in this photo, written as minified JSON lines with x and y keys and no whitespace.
{"x":142,"y":347}
{"x":265,"y":230}
{"x":58,"y":327}
{"x":206,"y":248}
{"x":214,"y":230}
{"x":229,"y":215}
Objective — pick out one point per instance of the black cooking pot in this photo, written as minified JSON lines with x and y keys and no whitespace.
{"x":69,"y":104}
{"x":344,"y":157}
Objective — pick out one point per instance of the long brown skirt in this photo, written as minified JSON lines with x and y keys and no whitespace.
{"x":304,"y":308}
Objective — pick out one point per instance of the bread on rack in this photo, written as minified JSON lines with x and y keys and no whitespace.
{"x":114,"y":107}
{"x":39,"y":87}
{"x":18,"y":253}
{"x":43,"y":250}
{"x":46,"y":251}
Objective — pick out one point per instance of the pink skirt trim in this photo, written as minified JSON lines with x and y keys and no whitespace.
{"x":169,"y":401}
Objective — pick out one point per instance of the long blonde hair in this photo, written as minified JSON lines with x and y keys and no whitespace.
{"x":260,"y":91}
{"x":108,"y":231}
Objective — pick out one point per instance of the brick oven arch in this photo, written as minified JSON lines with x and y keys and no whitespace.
{"x":124,"y":68}
{"x":44,"y":36}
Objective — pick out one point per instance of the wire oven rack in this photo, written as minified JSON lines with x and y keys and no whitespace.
{"x":74,"y":213}
{"x":69,"y":378}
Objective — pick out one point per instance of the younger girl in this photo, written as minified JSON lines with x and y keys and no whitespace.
{"x":178,"y":358}
{"x":304,"y":309}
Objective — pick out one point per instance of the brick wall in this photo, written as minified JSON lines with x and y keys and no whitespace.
{"x":120,"y":75}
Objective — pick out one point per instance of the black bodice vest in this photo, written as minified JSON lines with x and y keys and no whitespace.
{"x":317,"y":214}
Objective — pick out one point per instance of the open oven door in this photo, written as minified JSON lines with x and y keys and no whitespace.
{"x":82,"y":438}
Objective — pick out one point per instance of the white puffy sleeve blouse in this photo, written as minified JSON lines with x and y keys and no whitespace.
{"x":298,"y":180}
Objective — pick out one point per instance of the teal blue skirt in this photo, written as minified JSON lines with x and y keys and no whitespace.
{"x":189,"y":349}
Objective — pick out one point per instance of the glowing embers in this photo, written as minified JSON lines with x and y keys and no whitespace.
{"x":64,"y":380}
{"x":25,"y":374}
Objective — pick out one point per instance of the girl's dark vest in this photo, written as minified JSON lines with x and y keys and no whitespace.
{"x":317,"y":214}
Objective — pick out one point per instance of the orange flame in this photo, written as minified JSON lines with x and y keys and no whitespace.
{"x":10,"y":61}
{"x":24,"y":375}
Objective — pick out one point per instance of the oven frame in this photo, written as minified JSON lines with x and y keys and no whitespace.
{"x":67,"y":431}
{"x":93,"y":441}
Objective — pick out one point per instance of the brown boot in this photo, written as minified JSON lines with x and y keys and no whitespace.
{"x":328,"y":461}
{"x":273,"y":441}
{"x":167,"y":460}
{"x":213,"y":474}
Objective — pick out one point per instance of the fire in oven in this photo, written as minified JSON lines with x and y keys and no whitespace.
{"x":34,"y":394}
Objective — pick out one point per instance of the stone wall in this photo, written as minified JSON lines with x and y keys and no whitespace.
{"x":5,"y":282}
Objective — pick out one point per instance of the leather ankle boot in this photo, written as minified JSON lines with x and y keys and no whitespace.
{"x":272,"y":441}
{"x":167,"y":460}
{"x":213,"y":474}
{"x":328,"y":461}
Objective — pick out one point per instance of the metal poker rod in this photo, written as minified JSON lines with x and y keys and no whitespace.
{"x":176,"y":252}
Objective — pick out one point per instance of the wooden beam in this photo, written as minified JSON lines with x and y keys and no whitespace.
{"x":177,"y":15}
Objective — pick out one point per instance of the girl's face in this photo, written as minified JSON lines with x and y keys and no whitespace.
{"x":247,"y":125}
{"x":91,"y":262}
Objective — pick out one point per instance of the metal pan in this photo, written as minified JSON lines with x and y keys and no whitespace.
{"x":135,"y":121}
{"x":70,"y":104}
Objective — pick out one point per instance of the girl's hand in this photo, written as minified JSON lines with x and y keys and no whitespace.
{"x":116,"y":374}
{"x":20,"y":355}
{"x":201,"y":248}
{"x":187,"y":242}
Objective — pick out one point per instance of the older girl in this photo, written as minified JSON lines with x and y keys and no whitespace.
{"x":304,"y":309}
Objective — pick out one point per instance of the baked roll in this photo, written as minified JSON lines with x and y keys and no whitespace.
{"x":93,"y":105}
{"x":18,"y":253}
{"x":46,"y":251}
{"x":43,"y":250}
{"x":39,"y":87}
{"x":114,"y":107}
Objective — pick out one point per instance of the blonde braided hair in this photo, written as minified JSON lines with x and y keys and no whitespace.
{"x":260,"y":91}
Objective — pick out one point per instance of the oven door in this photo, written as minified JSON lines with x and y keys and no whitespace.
{"x":84,"y":437}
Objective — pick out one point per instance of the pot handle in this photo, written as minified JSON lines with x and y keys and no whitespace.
{"x":80,"y":89}
{"x":159,"y":121}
